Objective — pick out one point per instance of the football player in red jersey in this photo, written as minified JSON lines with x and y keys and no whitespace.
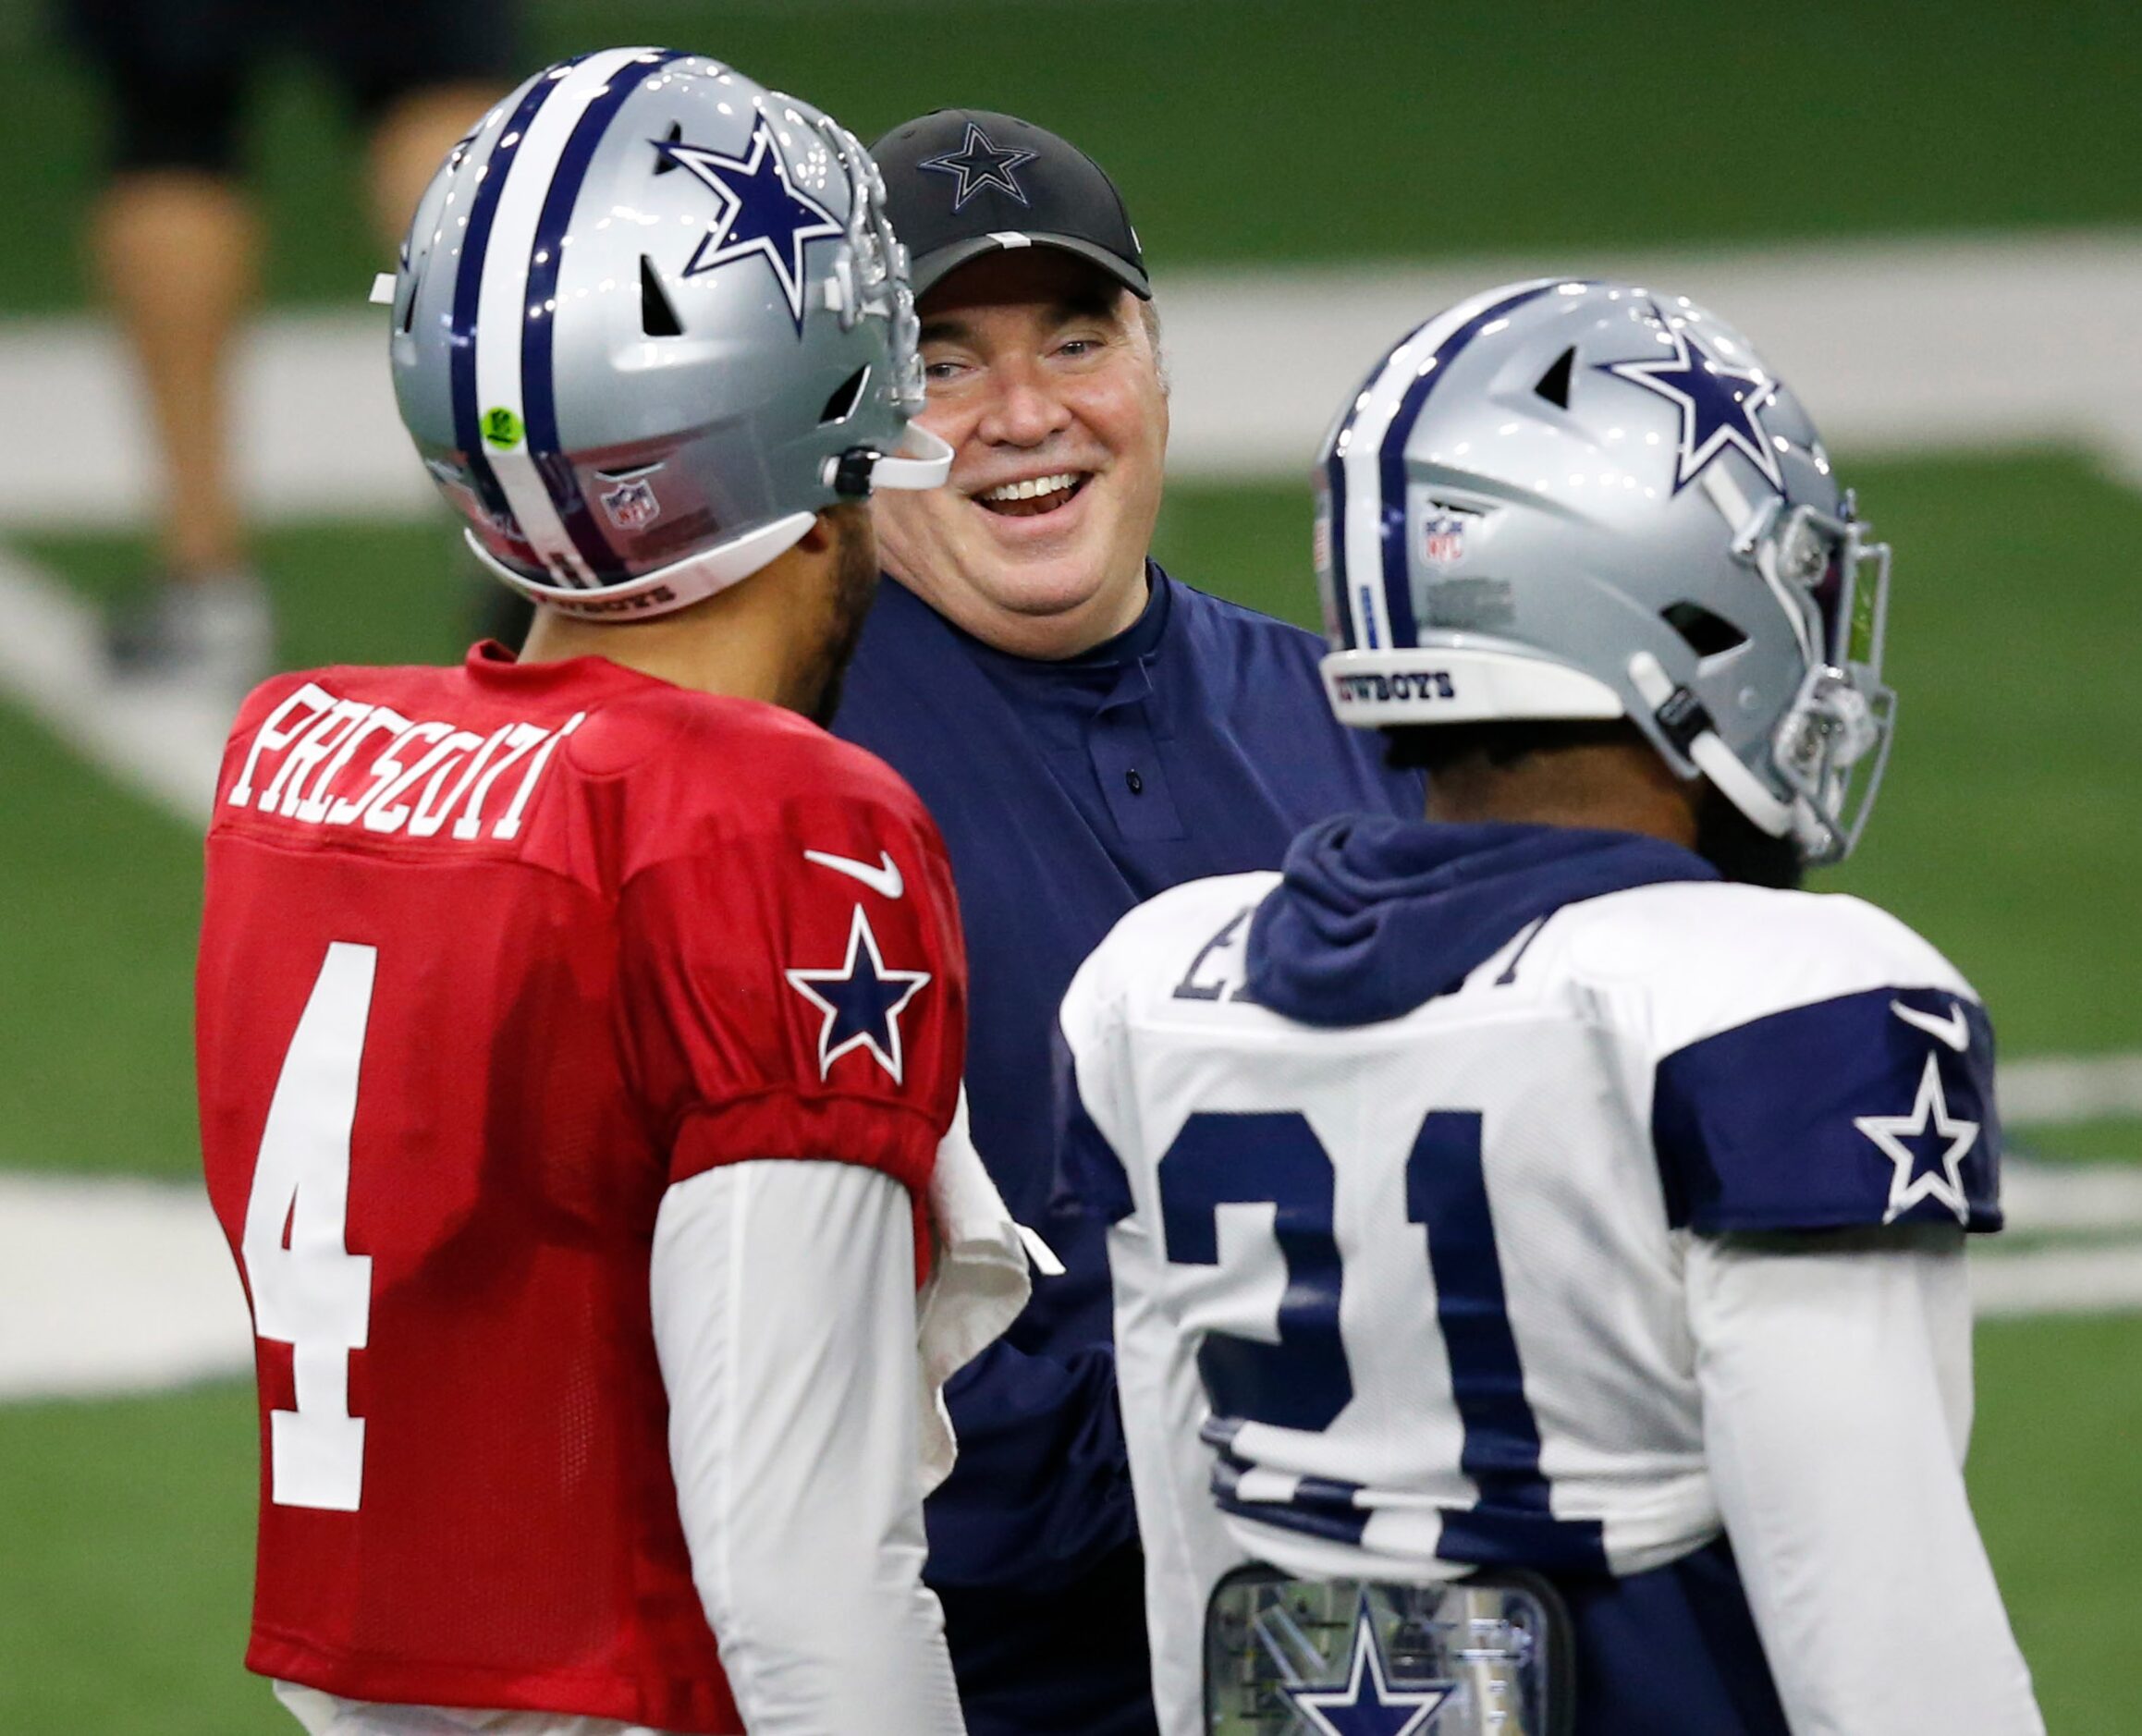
{"x":578,"y":1037}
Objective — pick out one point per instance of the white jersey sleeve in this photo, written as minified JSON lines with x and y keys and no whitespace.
{"x":1818,"y":1067}
{"x":1836,"y":1408}
{"x":784,"y":1304}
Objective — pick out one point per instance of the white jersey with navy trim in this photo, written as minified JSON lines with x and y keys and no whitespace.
{"x":1455,"y":1288}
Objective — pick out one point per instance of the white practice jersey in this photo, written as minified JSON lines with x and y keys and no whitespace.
{"x":1400,"y":1297}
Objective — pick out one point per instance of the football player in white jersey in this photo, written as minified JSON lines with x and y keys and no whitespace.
{"x":1538,"y":1236}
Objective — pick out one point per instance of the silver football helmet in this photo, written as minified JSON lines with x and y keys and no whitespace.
{"x":649,"y":320}
{"x":1571,"y":499}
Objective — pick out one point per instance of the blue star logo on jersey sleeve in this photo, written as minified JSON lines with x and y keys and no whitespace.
{"x":979,"y":165}
{"x":862,"y":1001}
{"x":1366,"y":1704}
{"x":1928,"y":1147}
{"x":758,"y":212}
{"x":1720,"y":406}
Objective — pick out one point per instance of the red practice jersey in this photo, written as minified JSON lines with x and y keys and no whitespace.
{"x":491,"y":957}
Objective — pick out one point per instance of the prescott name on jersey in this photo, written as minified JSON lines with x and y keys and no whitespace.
{"x":496,"y":962}
{"x":1528,"y":1197}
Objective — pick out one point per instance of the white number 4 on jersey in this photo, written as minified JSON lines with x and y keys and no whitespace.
{"x":310,"y":1291}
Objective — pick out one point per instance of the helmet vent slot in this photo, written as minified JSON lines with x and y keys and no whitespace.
{"x":664,"y":162}
{"x":846,"y":396}
{"x":1554,"y":385}
{"x":1707,"y":634}
{"x":657,"y":317}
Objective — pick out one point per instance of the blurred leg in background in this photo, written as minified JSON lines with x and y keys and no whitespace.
{"x":177,"y":247}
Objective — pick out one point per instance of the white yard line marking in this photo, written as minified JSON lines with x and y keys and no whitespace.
{"x":2101,"y":1198}
{"x":163,"y":741}
{"x":1978,"y":344}
{"x":2090,"y":1280}
{"x":2053,"y":1090}
{"x":114,"y":1286}
{"x":1898,"y":347}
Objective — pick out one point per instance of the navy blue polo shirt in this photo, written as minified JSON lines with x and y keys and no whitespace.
{"x":1198,"y":741}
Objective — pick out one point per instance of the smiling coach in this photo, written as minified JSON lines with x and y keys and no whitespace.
{"x":1087,"y":731}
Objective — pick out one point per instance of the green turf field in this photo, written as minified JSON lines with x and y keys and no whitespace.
{"x":1249,"y":130}
{"x":1244,"y":132}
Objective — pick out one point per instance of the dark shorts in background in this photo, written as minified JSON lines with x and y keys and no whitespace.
{"x":179,"y":71}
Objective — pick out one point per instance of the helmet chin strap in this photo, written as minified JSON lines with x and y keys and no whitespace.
{"x":1688,"y":725}
{"x":666,"y":589}
{"x":863,"y":471}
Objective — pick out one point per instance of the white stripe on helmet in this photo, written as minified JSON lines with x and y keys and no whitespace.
{"x":501,"y":313}
{"x":1362,"y":456}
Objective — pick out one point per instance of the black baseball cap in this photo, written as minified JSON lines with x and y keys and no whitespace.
{"x":961,"y":182}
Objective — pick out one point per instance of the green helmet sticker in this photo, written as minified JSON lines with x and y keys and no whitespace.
{"x":502,"y":429}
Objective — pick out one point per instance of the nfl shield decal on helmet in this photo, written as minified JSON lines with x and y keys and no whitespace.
{"x":632,"y":504}
{"x":1443,"y":539}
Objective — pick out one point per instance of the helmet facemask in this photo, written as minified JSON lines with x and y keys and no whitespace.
{"x":1831,"y":744}
{"x":869,"y":278}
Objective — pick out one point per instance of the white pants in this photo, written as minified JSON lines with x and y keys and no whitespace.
{"x":325,"y":1715}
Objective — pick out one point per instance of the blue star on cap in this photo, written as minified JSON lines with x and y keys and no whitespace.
{"x":1717,"y":404}
{"x":759,"y":211}
{"x":862,"y":1001}
{"x":1365,"y":1703}
{"x":979,"y":165}
{"x":1937,"y":1174}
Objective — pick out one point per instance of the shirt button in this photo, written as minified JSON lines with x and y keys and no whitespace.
{"x":1136,"y":783}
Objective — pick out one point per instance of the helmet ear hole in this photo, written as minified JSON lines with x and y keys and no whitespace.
{"x":1554,"y":385}
{"x":1707,"y":634}
{"x":841,"y":405}
{"x":657,"y":316}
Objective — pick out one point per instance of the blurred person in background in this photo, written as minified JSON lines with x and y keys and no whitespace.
{"x":1086,"y":730}
{"x":580,"y":1034}
{"x":175,"y":240}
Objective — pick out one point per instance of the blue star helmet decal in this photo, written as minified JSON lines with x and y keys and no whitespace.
{"x":1719,"y":405}
{"x":758,"y":212}
{"x":862,"y":1001}
{"x":1365,"y":1703}
{"x":980,"y":164}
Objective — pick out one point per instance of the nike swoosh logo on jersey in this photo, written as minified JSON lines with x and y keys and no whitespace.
{"x":1952,"y":1030}
{"x":884,"y":880}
